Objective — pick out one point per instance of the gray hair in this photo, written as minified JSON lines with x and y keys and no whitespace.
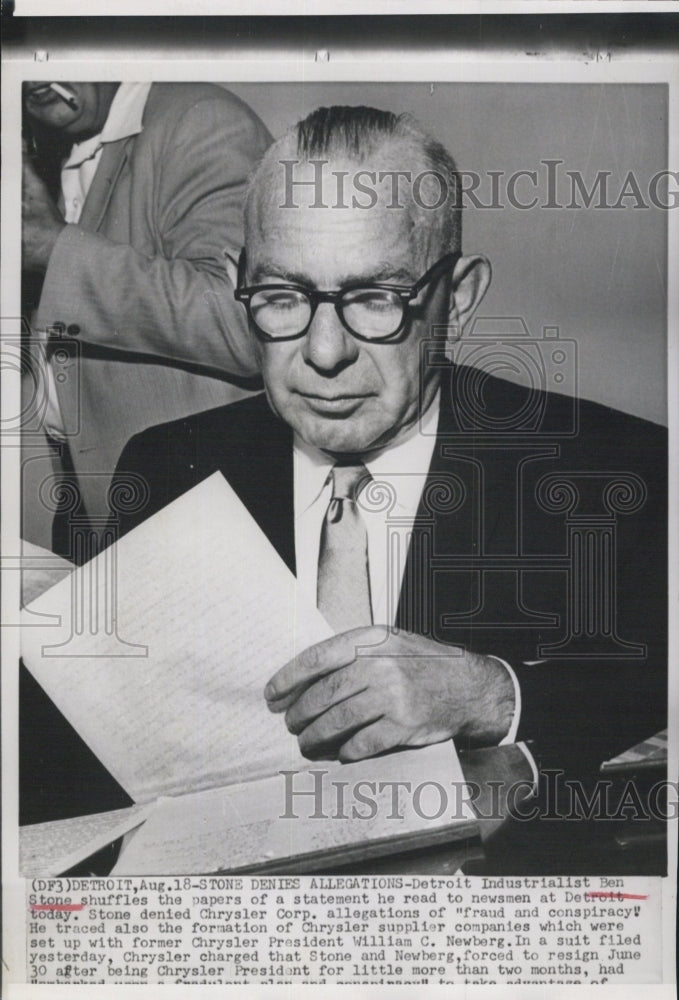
{"x":359,"y":132}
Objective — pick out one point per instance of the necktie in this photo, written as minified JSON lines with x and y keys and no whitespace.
{"x":343,"y":593}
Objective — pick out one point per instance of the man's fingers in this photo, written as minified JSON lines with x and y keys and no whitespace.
{"x":321,"y":659}
{"x":323,"y":694}
{"x":278,"y":705}
{"x":381,"y":735}
{"x":339,"y":722}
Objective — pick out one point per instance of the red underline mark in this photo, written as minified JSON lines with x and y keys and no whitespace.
{"x":614,"y":895}
{"x":62,"y":907}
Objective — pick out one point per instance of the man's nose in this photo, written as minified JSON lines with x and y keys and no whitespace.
{"x":328,"y":346}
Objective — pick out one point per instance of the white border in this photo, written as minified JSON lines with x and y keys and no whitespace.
{"x":342,"y":66}
{"x":257,"y":8}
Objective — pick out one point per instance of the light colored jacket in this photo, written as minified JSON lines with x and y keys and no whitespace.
{"x":139,"y":287}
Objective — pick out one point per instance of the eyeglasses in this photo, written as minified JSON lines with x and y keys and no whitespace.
{"x":374,"y":311}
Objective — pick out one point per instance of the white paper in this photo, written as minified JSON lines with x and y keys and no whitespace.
{"x":52,"y":848}
{"x":169,"y":696}
{"x":242,"y":825}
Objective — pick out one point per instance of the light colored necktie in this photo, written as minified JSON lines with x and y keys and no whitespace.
{"x":343,"y":593}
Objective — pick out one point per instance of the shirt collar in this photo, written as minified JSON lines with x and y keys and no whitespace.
{"x":410,"y":457}
{"x":124,"y":119}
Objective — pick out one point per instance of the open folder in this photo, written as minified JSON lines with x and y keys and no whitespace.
{"x":157,"y":652}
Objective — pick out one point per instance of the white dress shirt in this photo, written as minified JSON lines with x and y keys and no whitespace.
{"x":77,"y":173}
{"x":403,"y":467}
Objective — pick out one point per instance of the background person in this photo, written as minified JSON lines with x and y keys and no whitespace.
{"x":132,"y":258}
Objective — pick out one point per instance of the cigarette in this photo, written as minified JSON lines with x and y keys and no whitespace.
{"x":65,"y":95}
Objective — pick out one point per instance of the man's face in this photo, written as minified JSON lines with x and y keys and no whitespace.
{"x":341,"y":394}
{"x":92,"y":103}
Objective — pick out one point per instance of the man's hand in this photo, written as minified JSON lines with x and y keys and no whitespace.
{"x":369,"y":690}
{"x":41,"y":221}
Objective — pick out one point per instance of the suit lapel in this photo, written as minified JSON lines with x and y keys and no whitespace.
{"x":275,"y":502}
{"x":113,"y":159}
{"x":260,"y":469}
{"x":454,"y":519}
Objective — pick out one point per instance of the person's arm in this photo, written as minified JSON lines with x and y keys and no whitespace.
{"x":41,"y":221}
{"x":369,"y":690}
{"x":178,"y":304}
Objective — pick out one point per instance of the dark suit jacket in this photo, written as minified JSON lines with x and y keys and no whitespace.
{"x":542,"y":524}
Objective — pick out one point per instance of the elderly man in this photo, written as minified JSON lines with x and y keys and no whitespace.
{"x":412,"y":496}
{"x":136,"y":321}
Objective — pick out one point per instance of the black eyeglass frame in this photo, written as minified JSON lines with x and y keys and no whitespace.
{"x":243,"y":293}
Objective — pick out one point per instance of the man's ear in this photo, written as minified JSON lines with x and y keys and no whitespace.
{"x":231,"y":260}
{"x":471,"y":279}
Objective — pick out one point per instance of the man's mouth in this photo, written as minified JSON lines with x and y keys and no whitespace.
{"x":42,"y":94}
{"x":338,"y":404}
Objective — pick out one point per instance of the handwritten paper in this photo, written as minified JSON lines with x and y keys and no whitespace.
{"x":165,"y":643}
{"x":385,"y":799}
